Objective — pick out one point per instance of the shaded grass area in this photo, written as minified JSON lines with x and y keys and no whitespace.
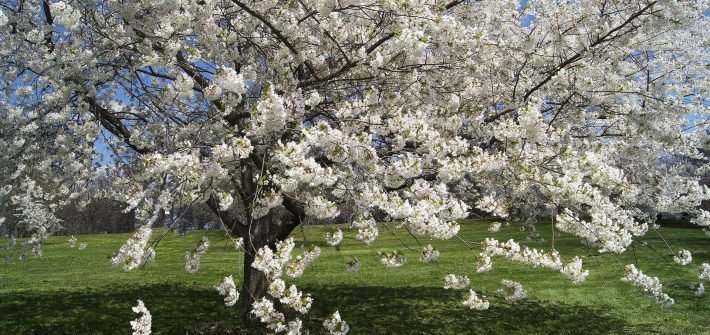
{"x":69,"y":291}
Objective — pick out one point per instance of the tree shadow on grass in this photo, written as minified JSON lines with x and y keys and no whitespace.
{"x":368,"y":310}
{"x":108,"y":310}
{"x":425,"y":310}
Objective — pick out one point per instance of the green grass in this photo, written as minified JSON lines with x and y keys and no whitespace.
{"x":69,"y":291}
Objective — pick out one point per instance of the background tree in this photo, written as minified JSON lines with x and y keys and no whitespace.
{"x":412,"y":111}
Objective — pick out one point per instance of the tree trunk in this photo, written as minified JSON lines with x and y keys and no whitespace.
{"x":254,"y":285}
{"x":266,"y":231}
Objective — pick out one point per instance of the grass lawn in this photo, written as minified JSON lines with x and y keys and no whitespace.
{"x":70,"y":291}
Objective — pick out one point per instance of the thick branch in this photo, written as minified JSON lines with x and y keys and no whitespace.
{"x":276,"y":33}
{"x":50,"y":21}
{"x":578,"y":55}
{"x":113,"y":125}
{"x":351,"y":64}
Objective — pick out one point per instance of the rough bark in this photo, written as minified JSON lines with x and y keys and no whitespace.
{"x":266,"y":231}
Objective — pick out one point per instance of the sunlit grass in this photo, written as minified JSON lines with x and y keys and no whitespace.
{"x":69,"y":291}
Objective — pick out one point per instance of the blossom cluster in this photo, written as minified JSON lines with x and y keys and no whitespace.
{"x":456,"y":282}
{"x":270,"y":263}
{"x":229,"y":290}
{"x":392,"y":259}
{"x":229,"y":80}
{"x":141,"y":325}
{"x":239,"y":243}
{"x":192,"y":258}
{"x":684,"y":257}
{"x":273,"y":264}
{"x":491,"y":205}
{"x":265,"y":203}
{"x":336,"y":325}
{"x":134,"y":252}
{"x":494,"y":227}
{"x":334,"y":238}
{"x":703,"y":275}
{"x":429,"y":254}
{"x":321,"y":208}
{"x":473,"y":301}
{"x":275,"y":320}
{"x":513,"y":291}
{"x":264,"y":310}
{"x":610,"y":233}
{"x":299,"y":264}
{"x":513,"y":251}
{"x":704,"y":272}
{"x":290,"y":297}
{"x":65,"y":14}
{"x":434,"y":212}
{"x":698,"y":289}
{"x":353,"y":265}
{"x":3,"y":19}
{"x":651,"y":285}
{"x":366,"y":229}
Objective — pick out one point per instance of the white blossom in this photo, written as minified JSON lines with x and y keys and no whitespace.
{"x":321,"y":208}
{"x":264,"y":310}
{"x":473,"y":301}
{"x":683,"y":257}
{"x":513,"y":291}
{"x":133,"y":252}
{"x":267,"y":202}
{"x":290,"y":297}
{"x":239,"y":243}
{"x":491,"y":205}
{"x":699,"y":289}
{"x":702,"y":219}
{"x":296,"y":266}
{"x":484,"y":263}
{"x":3,"y":19}
{"x":334,"y":238}
{"x":335,"y":325}
{"x":225,"y":201}
{"x":574,"y":270}
{"x":429,"y":254}
{"x":704,"y":271}
{"x":65,"y":14}
{"x":192,"y":258}
{"x":366,"y":229}
{"x":651,"y":285}
{"x":313,"y":99}
{"x":294,"y":327}
{"x":229,"y":80}
{"x":353,"y":265}
{"x":212,"y":92}
{"x":141,"y":325}
{"x":270,"y":263}
{"x":184,"y":84}
{"x":392,"y":259}
{"x":513,"y":251}
{"x":456,"y":282}
{"x":229,"y":290}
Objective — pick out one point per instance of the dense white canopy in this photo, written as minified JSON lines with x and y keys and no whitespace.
{"x":420,"y":112}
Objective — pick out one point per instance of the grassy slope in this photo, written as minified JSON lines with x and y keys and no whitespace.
{"x":77,"y":292}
